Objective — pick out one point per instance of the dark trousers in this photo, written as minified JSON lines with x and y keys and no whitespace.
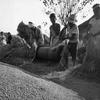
{"x":69,"y":48}
{"x":72,"y":47}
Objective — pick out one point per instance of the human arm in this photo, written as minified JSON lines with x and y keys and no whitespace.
{"x":52,"y":34}
{"x":62,"y":35}
{"x":40,"y":38}
{"x":58,"y":29}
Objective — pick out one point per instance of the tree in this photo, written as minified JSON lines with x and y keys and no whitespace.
{"x":63,"y":8}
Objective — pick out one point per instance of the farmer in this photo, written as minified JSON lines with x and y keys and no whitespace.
{"x":93,"y":31}
{"x":71,"y":46}
{"x":54,"y":28}
{"x":94,"y":23}
{"x":92,"y":56}
{"x":37,"y":35}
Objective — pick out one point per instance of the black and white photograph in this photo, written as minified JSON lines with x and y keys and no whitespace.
{"x":49,"y":49}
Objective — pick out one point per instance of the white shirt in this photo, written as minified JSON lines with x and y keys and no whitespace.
{"x":95,"y":25}
{"x":74,"y":30}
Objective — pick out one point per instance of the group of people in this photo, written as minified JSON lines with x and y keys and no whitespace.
{"x":72,"y":35}
{"x":6,"y":38}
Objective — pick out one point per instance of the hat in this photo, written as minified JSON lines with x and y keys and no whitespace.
{"x":96,"y":6}
{"x":72,"y":18}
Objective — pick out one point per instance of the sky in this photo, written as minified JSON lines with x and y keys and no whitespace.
{"x":12,"y":12}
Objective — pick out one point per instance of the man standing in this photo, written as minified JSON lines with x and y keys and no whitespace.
{"x":92,"y":58}
{"x":54,"y":28}
{"x":94,"y":23}
{"x":71,"y":46}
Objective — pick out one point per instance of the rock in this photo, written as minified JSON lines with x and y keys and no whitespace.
{"x":18,"y":85}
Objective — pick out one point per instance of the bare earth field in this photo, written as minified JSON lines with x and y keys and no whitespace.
{"x":90,"y":90}
{"x":18,"y":85}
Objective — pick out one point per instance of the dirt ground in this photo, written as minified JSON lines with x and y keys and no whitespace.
{"x":17,"y":84}
{"x":87,"y":88}
{"x":90,"y":90}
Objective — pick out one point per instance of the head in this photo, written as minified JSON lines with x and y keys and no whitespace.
{"x":1,"y":33}
{"x":71,"y":20}
{"x":30,"y":24}
{"x":52,"y":18}
{"x":9,"y":34}
{"x":96,"y":10}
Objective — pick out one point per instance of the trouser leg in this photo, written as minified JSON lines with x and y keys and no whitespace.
{"x":63,"y":64}
{"x":73,"y":51}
